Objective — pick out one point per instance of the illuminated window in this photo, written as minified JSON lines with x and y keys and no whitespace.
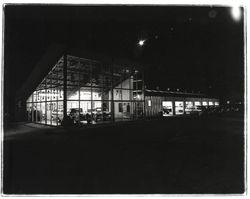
{"x":210,"y":103}
{"x":149,"y":102}
{"x":179,"y":105}
{"x":105,"y":92}
{"x":197,"y":103}
{"x":204,"y":103}
{"x":167,"y":108}
{"x":167,"y":104}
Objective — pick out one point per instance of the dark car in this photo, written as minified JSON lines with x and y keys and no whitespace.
{"x":166,"y":111}
{"x":76,"y":114}
{"x":57,"y":115}
{"x":98,"y":114}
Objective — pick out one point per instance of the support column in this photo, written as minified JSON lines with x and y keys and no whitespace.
{"x":112,"y":92}
{"x":193,"y":103}
{"x":32,"y":109}
{"x":91,"y":92}
{"x":46,"y":92}
{"x":184,"y":106}
{"x":64,"y":85}
{"x":173,"y":105}
{"x":143,"y":94}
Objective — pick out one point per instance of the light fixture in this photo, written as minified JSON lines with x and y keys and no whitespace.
{"x":141,"y":42}
{"x":236,"y":13}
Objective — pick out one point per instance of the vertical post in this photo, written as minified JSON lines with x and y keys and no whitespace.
{"x":131,"y":96}
{"x":184,"y":106}
{"x":120,"y":91}
{"x":79,"y":77}
{"x":45,"y":118}
{"x":32,"y":109}
{"x":112,"y":92}
{"x":143,"y":94}
{"x":91,"y":90}
{"x":136,"y":92}
{"x":173,"y":104}
{"x":57,"y":95}
{"x":64,"y":85}
{"x":51,"y":103}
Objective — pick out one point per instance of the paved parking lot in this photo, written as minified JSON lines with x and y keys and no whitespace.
{"x":168,"y":156}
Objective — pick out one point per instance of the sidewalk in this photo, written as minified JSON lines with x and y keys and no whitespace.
{"x":18,"y":128}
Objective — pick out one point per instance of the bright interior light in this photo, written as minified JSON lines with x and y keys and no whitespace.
{"x":236,"y":14}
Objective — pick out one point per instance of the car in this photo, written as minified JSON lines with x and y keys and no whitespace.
{"x":194,"y":110}
{"x":76,"y":114}
{"x":106,"y":115}
{"x":98,"y":114}
{"x":190,"y":110}
{"x":57,"y":115}
{"x":166,"y":111}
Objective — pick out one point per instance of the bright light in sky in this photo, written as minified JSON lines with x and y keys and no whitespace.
{"x":236,"y":14}
{"x":141,"y":42}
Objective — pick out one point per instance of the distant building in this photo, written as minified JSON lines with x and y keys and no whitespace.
{"x":83,"y":87}
{"x":169,"y":103}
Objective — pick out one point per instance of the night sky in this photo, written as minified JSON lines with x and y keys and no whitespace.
{"x":190,"y":48}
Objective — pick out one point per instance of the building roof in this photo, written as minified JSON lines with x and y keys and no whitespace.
{"x":51,"y":57}
{"x":172,"y":93}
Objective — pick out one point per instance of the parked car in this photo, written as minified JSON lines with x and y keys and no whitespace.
{"x":166,"y":111}
{"x":196,"y":110}
{"x":76,"y":114}
{"x":98,"y":114}
{"x":106,"y":116}
{"x":57,"y":115}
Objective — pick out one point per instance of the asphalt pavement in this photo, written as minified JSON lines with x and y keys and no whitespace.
{"x":189,"y":155}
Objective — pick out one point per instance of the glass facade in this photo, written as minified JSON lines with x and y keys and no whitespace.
{"x":87,"y":91}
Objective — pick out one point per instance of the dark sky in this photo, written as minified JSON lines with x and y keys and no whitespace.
{"x":190,"y":48}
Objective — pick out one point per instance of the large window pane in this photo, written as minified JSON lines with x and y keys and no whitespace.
{"x":117,"y":94}
{"x":73,"y":110}
{"x":167,"y":107}
{"x":85,"y":93}
{"x":189,"y":107}
{"x":85,"y":117}
{"x":42,"y":113}
{"x":72,"y":93}
{"x":179,"y":107}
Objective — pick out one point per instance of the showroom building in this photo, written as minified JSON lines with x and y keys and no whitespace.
{"x":90,"y":88}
